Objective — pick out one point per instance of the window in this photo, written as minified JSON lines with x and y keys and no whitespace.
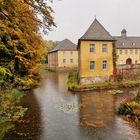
{"x":126,"y":51}
{"x":136,"y":51}
{"x":123,"y":43}
{"x":131,"y":51}
{"x":63,"y":52}
{"x":92,"y":65}
{"x":104,"y":64}
{"x":121,"y":51}
{"x":136,"y":61}
{"x":71,"y":60}
{"x":64,"y":60}
{"x":92,"y":48}
{"x":104,"y":48}
{"x":71,"y":52}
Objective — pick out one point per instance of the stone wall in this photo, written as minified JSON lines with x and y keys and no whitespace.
{"x":92,"y":80}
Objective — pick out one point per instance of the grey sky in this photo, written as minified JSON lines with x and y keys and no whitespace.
{"x":73,"y":17}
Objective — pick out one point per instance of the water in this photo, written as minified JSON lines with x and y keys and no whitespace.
{"x":57,"y":114}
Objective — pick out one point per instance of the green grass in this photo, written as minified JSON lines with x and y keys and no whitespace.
{"x":74,"y":86}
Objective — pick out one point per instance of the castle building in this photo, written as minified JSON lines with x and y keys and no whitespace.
{"x":127,"y":49}
{"x":95,"y":49}
{"x":65,"y":54}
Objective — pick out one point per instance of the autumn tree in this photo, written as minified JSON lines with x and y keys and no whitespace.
{"x":21,"y":50}
{"x":20,"y":42}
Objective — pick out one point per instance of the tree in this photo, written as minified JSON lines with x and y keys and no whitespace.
{"x":20,"y":42}
{"x":20,"y":52}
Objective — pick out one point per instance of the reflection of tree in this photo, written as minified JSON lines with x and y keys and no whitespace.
{"x":97,"y":110}
{"x":29,"y":126}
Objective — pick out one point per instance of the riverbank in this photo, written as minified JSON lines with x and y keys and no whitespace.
{"x":54,"y":110}
{"x":130,"y":109}
{"x":75,"y":87}
{"x":61,"y":69}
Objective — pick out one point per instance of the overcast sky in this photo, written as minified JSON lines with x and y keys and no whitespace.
{"x":73,"y":17}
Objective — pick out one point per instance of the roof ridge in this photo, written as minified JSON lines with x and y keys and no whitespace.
{"x":65,"y":44}
{"x":97,"y":31}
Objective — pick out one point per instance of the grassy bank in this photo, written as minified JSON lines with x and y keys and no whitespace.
{"x":10,"y":110}
{"x":74,"y":86}
{"x":131,"y":109}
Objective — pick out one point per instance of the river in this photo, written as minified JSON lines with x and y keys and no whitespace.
{"x":56,"y":114}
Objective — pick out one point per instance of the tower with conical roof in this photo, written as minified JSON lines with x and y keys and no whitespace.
{"x":95,"y":49}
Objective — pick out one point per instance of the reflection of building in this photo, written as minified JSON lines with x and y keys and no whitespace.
{"x":63,"y":55}
{"x":95,"y":54}
{"x":128,"y":49}
{"x":97,"y":110}
{"x":62,"y":81}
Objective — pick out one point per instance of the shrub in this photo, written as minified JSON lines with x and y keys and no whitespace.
{"x":124,"y":109}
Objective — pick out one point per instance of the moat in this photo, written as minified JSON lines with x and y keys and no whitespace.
{"x":57,"y":114}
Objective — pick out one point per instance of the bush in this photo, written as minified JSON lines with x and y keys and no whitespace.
{"x":130,"y":107}
{"x":124,"y":109}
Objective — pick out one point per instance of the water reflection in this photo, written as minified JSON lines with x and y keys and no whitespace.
{"x":95,"y":120}
{"x":98,"y":119}
{"x":29,"y":127}
{"x":97,"y":109}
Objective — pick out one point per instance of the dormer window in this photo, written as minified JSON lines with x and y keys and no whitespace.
{"x":123,"y":43}
{"x":133,"y":44}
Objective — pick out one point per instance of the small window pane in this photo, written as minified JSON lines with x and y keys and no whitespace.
{"x":104,"y":65}
{"x":92,"y":65}
{"x":104,"y":48}
{"x":92,"y":48}
{"x":71,"y":60}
